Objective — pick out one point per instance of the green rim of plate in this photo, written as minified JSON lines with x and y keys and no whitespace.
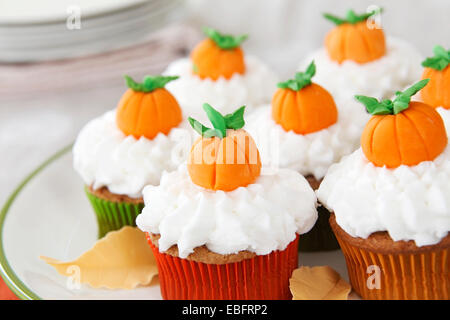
{"x":7,"y":273}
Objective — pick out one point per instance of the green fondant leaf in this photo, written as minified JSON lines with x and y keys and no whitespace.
{"x":400,"y":103}
{"x":224,"y":41}
{"x":311,"y":70}
{"x":220,"y":123}
{"x":336,"y":20}
{"x":149,"y":83}
{"x":216,"y":118}
{"x":302,"y":79}
{"x":204,"y":131}
{"x":235,"y":120}
{"x":351,"y":17}
{"x":373,"y":106}
{"x":440,"y":60}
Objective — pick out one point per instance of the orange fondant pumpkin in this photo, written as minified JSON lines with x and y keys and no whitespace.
{"x":218,"y":56}
{"x":302,"y":106}
{"x":147,"y":109}
{"x":352,"y":39}
{"x":402,"y":132}
{"x":437,"y":92}
{"x":226,"y":157}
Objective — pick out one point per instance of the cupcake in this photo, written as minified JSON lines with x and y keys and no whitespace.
{"x":219,"y":228}
{"x":303,"y":131}
{"x":358,"y":59}
{"x":120,"y":152}
{"x":437,"y":92}
{"x":391,"y":202}
{"x":219,"y":72}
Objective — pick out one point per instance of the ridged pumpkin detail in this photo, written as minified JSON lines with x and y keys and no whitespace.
{"x":226,"y":157}
{"x":352,"y":39}
{"x":218,"y":56}
{"x":402,"y":132}
{"x":147,"y":109}
{"x":302,"y":106}
{"x":437,"y":92}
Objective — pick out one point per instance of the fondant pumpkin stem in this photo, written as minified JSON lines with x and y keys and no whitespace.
{"x":400,"y":103}
{"x":351,"y":17}
{"x":220,"y":123}
{"x":149,"y":83}
{"x":302,"y":79}
{"x":440,"y":60}
{"x":224,"y":41}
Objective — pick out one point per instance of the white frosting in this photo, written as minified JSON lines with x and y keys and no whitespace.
{"x":410,"y":203}
{"x":380,"y":78}
{"x":308,"y":154}
{"x":444,"y":113}
{"x":261,"y":218}
{"x":104,"y":156}
{"x":253,"y":88}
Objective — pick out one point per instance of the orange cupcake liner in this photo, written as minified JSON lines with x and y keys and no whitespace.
{"x":401,"y":276}
{"x":260,"y":278}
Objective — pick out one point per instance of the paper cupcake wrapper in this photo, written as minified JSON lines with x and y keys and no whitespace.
{"x":320,"y":237}
{"x":113,"y":215}
{"x":402,"y":276}
{"x":259,"y":278}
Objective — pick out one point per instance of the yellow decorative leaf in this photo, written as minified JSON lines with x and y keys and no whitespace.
{"x":121,"y":260}
{"x":318,"y":283}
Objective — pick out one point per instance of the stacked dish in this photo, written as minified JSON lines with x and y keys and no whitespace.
{"x":38,"y":31}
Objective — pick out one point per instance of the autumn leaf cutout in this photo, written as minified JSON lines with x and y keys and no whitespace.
{"x":120,"y":260}
{"x":318,"y":283}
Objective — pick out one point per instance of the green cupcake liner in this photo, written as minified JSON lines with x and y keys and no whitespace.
{"x":113,"y":215}
{"x":320,"y":237}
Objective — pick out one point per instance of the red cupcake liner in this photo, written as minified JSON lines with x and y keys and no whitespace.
{"x":260,"y":278}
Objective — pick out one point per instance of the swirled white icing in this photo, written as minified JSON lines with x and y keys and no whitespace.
{"x":380,"y":78}
{"x":253,"y":88}
{"x":410,"y":203}
{"x":308,"y":154}
{"x":262,"y":217}
{"x":104,"y":156}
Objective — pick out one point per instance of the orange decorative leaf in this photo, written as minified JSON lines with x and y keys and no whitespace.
{"x":318,"y":283}
{"x":120,"y":260}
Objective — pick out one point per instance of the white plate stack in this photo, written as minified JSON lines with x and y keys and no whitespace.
{"x":55,"y":29}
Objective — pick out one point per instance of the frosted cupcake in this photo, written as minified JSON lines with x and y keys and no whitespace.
{"x":120,"y":152}
{"x":218,"y":228}
{"x":303,"y":131}
{"x":357,"y":59}
{"x":437,"y":92}
{"x":219,"y":72}
{"x":391,"y":202}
